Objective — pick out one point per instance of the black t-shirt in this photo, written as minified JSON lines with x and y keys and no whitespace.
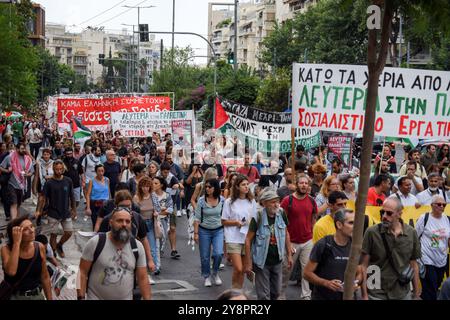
{"x":122,"y":152}
{"x":58,"y":194}
{"x":332,"y":261}
{"x":138,"y":226}
{"x":267,"y":180}
{"x":112,"y":171}
{"x":73,"y":172}
{"x":315,"y":189}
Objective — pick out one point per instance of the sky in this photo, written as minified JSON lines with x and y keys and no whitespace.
{"x":190,"y":16}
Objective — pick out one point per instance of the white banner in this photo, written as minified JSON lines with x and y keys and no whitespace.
{"x":411,"y":103}
{"x":143,"y":124}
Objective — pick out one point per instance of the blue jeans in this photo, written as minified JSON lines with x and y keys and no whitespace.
{"x":152,"y":241}
{"x":206,"y":239}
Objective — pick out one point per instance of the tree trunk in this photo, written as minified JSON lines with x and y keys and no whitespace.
{"x":375,"y":65}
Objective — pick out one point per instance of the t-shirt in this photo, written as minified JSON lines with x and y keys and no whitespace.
{"x":73,"y":172}
{"x":59,"y":194}
{"x":251,"y":173}
{"x":414,"y":190}
{"x":332,"y":260}
{"x":323,"y":227}
{"x":112,"y":275}
{"x":6,"y":163}
{"x":300,"y":218}
{"x":89,"y":163}
{"x":373,"y":196}
{"x":238,"y":210}
{"x":112,"y":171}
{"x":425,"y":196}
{"x":408,"y":201}
{"x":434,"y":240}
{"x":273,"y":257}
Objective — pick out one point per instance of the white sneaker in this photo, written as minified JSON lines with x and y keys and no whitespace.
{"x":179,"y":213}
{"x":217,"y":280}
{"x":152,"y":282}
{"x":221,"y":266}
{"x":184,"y":212}
{"x":208,"y":282}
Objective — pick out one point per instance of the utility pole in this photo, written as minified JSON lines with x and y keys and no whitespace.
{"x":173,"y":30}
{"x":139,"y":42}
{"x":236,"y":3}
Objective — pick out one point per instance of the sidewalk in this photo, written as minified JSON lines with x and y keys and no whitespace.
{"x":72,"y":249}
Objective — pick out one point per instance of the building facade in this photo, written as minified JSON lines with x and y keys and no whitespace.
{"x":36,"y":26}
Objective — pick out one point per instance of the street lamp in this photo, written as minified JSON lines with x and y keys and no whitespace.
{"x":130,"y":66}
{"x":139,"y":41}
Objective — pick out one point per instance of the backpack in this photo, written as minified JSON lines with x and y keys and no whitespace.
{"x":98,"y":250}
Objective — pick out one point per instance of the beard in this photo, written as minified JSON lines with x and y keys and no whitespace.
{"x":121,"y":235}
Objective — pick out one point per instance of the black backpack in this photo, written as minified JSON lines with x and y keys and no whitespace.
{"x":98,"y":250}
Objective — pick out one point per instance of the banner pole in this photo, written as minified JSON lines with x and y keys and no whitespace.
{"x":381,"y":158}
{"x":293,"y":152}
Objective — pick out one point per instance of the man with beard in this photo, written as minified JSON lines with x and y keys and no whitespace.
{"x":56,"y":196}
{"x":383,"y":170}
{"x":301,"y":212}
{"x":111,"y":262}
{"x":73,"y":172}
{"x":58,"y":150}
{"x":392,"y":246}
{"x":77,"y":152}
{"x":19,"y":164}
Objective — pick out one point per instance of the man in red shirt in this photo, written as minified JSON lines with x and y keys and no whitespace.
{"x":249,"y":171}
{"x":301,"y":211}
{"x":377,"y":194}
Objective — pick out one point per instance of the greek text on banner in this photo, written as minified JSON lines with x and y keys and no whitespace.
{"x":333,"y":98}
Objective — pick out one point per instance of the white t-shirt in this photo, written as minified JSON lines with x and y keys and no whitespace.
{"x":434,"y":240}
{"x":408,"y":201}
{"x":112,"y":276}
{"x":238,"y":210}
{"x":425,"y":197}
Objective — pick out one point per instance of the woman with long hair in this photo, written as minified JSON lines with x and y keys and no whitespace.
{"x":24,"y":262}
{"x":348,"y":186}
{"x":147,"y":204}
{"x":229,"y":184}
{"x":163,"y":207}
{"x":210,"y":173}
{"x":194,"y":177}
{"x":237,"y":213}
{"x":443,"y":157}
{"x":97,"y":193}
{"x":208,"y":231}
{"x":329,"y":185}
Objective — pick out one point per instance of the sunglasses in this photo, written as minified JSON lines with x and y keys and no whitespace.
{"x":389,"y":213}
{"x":442,"y":205}
{"x":208,"y":187}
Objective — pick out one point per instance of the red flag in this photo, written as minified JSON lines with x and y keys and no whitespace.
{"x":220,"y":115}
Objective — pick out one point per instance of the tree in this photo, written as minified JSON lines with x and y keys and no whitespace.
{"x":274,"y":92}
{"x":241,"y":86}
{"x":17,"y":59}
{"x":437,"y":14}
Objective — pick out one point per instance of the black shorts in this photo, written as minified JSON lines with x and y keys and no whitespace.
{"x":14,"y":196}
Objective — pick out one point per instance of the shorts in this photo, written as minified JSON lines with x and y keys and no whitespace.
{"x":172,"y":219}
{"x":15,"y":196}
{"x":52,"y":226}
{"x":77,"y":194}
{"x":236,"y":248}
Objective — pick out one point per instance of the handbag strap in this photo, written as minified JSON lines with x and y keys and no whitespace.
{"x":36,"y":252}
{"x":388,"y":250}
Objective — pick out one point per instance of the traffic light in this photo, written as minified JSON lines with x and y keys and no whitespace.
{"x":101,"y":58}
{"x":143,"y":33}
{"x":230,"y":57}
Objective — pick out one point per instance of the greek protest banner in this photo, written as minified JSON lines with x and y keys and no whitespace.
{"x":143,"y":124}
{"x":341,"y":146}
{"x":411,"y":102}
{"x":96,"y":113}
{"x":263,"y":130}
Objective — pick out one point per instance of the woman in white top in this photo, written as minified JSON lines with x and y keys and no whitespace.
{"x":434,"y":234}
{"x":237,"y":213}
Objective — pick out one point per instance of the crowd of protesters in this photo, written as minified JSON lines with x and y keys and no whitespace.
{"x":274,"y":218}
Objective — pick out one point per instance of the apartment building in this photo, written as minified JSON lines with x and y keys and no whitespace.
{"x":36,"y":26}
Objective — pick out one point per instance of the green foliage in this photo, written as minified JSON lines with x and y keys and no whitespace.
{"x":273,"y":94}
{"x":241,"y":86}
{"x":17,"y":61}
{"x":223,"y":23}
{"x":329,"y":32}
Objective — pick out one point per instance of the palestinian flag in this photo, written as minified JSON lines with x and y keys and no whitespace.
{"x":220,"y":115}
{"x":80,"y":133}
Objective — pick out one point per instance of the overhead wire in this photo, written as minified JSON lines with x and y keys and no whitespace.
{"x":118,"y":15}
{"x":103,"y":12}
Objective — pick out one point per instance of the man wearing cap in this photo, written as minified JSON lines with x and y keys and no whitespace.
{"x":269,"y":239}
